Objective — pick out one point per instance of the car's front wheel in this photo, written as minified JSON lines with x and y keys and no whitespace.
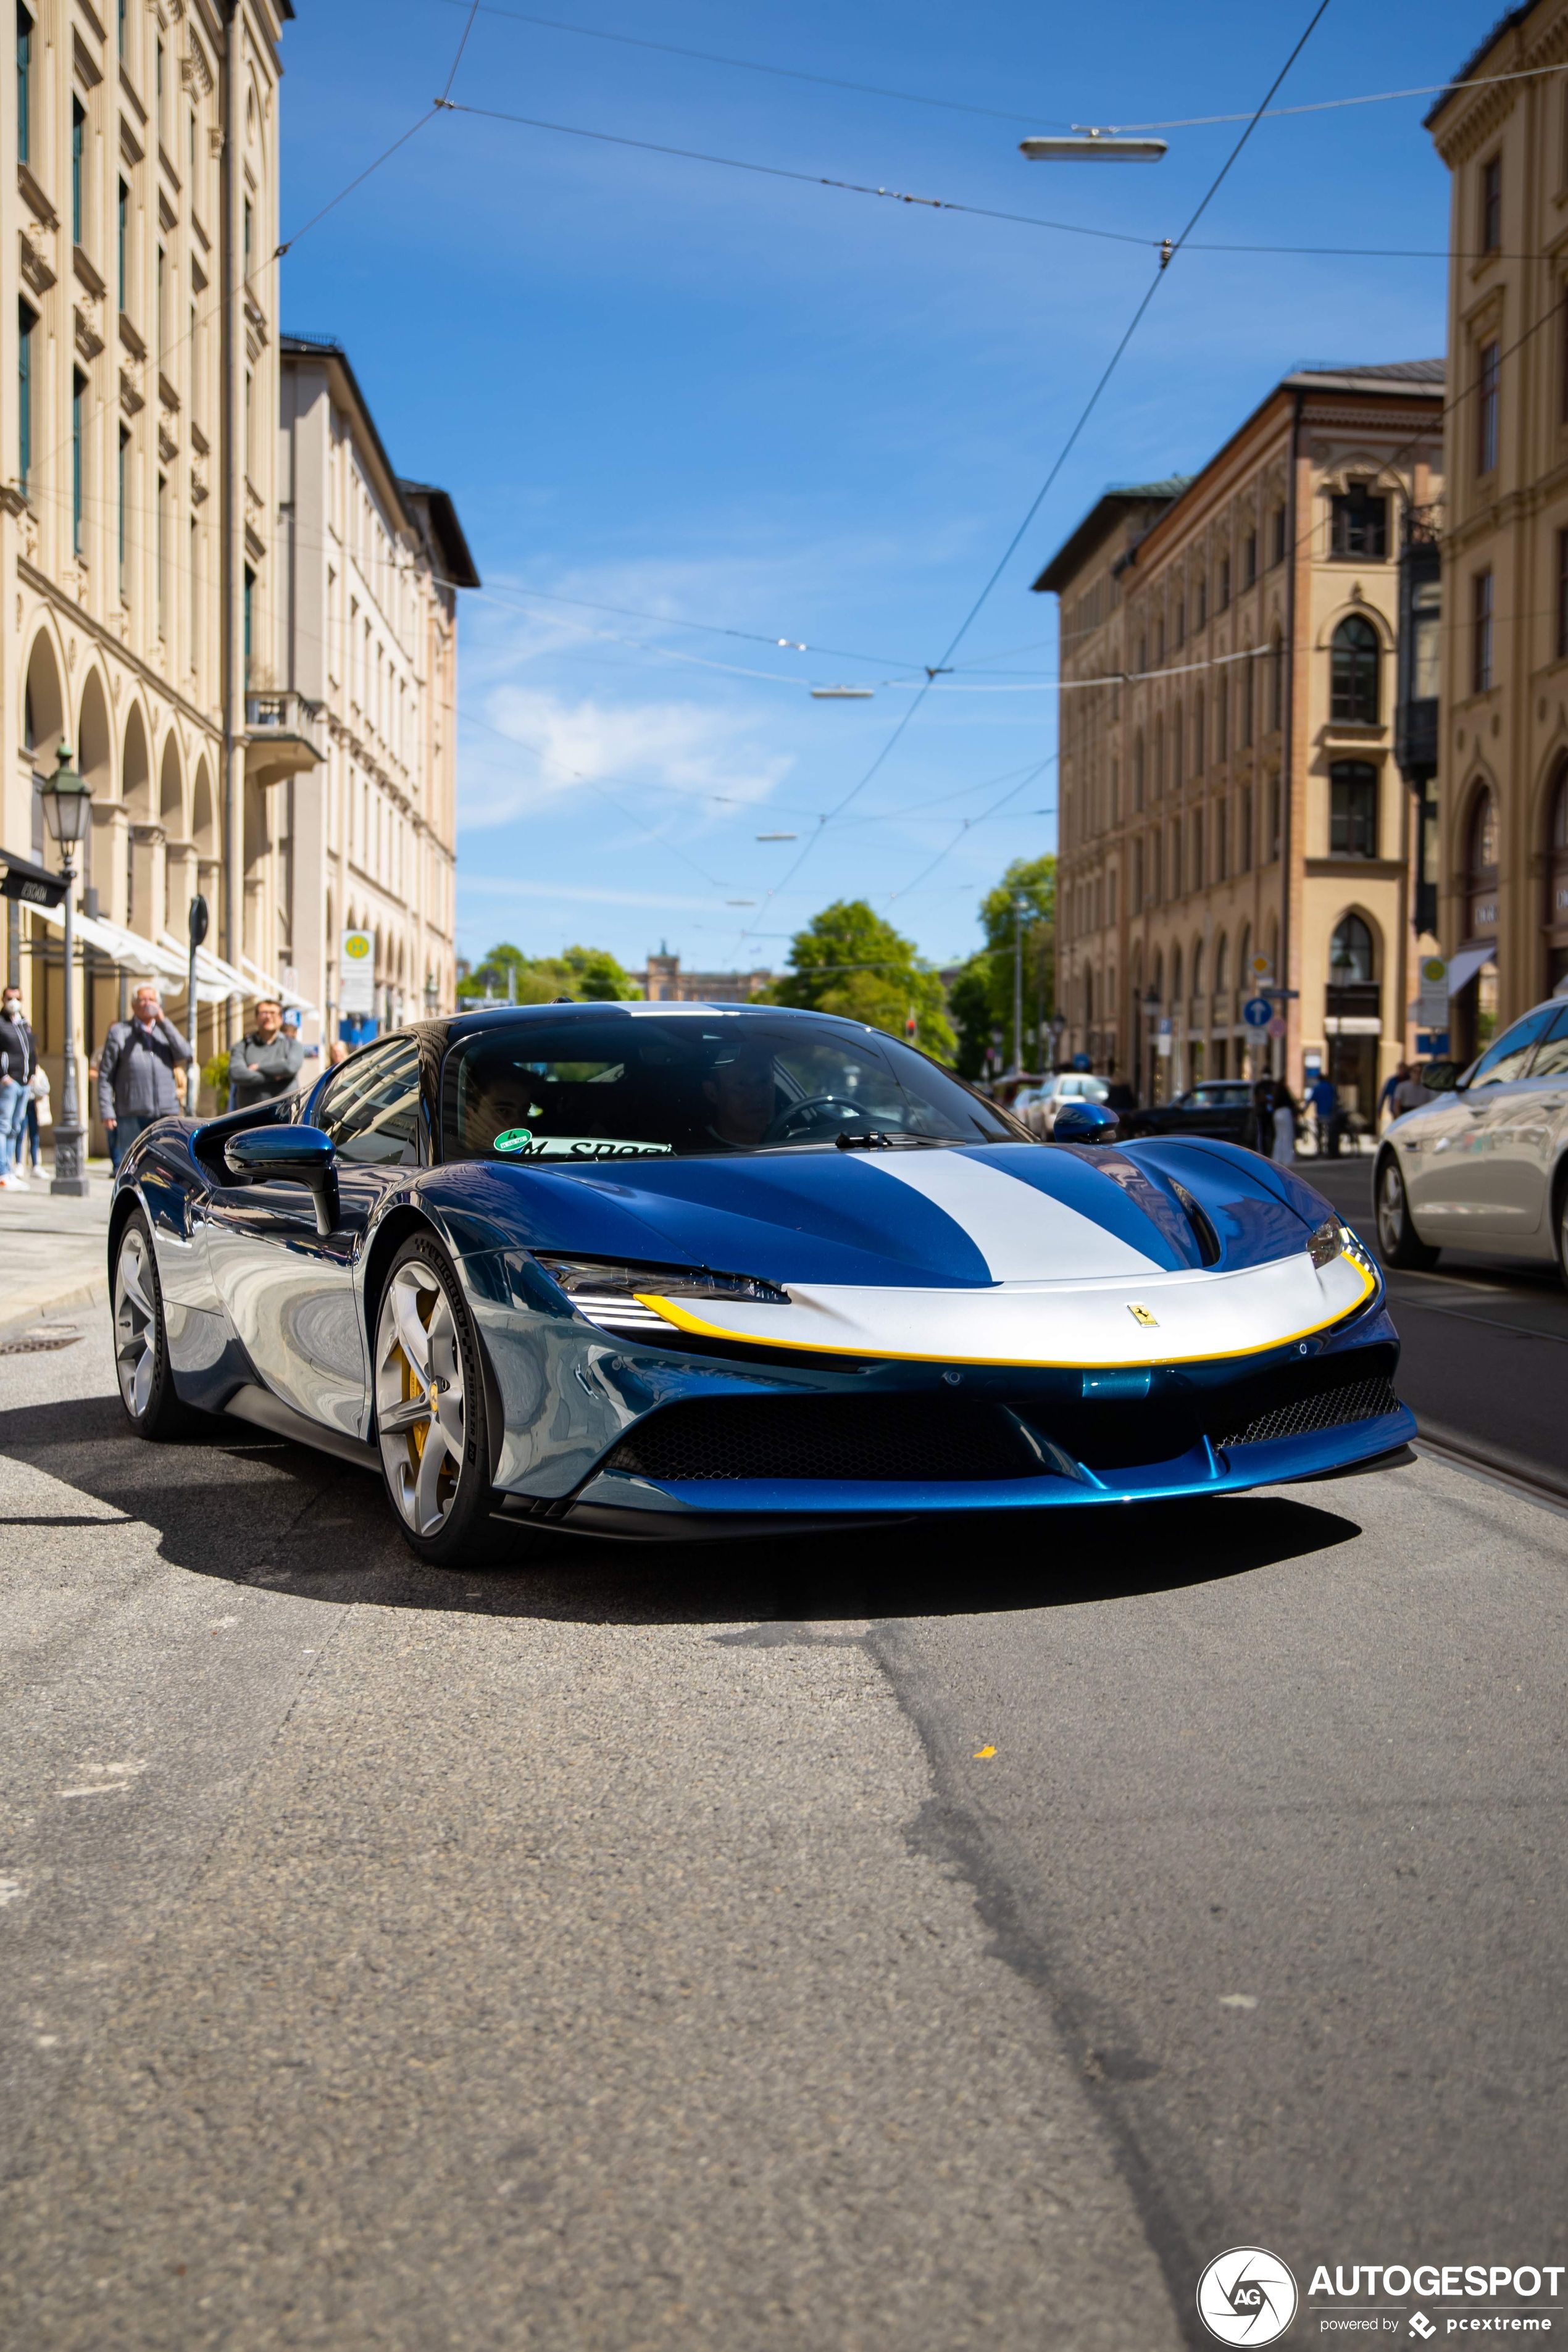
{"x":141,"y":1339}
{"x":1397,"y":1239}
{"x":430,"y":1408}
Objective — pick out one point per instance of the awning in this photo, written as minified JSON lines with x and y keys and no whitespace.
{"x":217,"y":980}
{"x":1463,"y":967}
{"x":165,"y":960}
{"x":128,"y":950}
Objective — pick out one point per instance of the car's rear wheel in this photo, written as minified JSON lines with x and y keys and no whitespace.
{"x":430,"y":1409}
{"x":1397,"y":1239}
{"x":140,"y":1338}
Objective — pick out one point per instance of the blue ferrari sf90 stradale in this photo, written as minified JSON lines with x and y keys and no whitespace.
{"x":663,"y":1270}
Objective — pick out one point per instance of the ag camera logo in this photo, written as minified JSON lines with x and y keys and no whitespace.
{"x":1246,"y":2296}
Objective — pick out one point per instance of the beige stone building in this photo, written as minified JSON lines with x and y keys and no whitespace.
{"x":138,"y":406}
{"x":1503,"y":841}
{"x":664,"y":982}
{"x":370,"y":565}
{"x":1228,"y":791}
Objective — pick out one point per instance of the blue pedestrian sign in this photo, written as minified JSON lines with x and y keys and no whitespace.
{"x":1257,"y":1012}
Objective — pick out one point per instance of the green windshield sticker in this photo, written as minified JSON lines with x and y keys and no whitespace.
{"x":513,"y":1138}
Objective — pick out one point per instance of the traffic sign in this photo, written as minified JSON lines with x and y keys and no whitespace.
{"x":1257,"y":1012}
{"x":1277,"y":1026}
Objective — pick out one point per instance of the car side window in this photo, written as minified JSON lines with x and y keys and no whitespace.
{"x":1552,"y":1061}
{"x":371,"y":1110}
{"x":1506,"y":1060}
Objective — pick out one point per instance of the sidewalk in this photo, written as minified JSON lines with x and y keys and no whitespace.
{"x":52,"y":1252}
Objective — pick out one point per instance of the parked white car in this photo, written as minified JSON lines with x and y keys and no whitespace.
{"x":1038,"y":1105}
{"x":1485,"y":1165}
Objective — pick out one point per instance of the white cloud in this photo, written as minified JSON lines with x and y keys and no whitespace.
{"x":681,"y":746}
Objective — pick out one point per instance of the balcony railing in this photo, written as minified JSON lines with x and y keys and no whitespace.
{"x":287,"y":733}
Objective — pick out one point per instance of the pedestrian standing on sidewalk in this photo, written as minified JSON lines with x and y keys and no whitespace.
{"x":18,"y":1060}
{"x":1262,"y":1121}
{"x":1286,"y":1119}
{"x":267,"y":1060}
{"x":1325,"y":1101}
{"x":39,"y":1115}
{"x":136,"y":1071}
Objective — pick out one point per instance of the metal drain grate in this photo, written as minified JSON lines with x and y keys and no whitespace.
{"x":38,"y":1343}
{"x":1329,"y":1409}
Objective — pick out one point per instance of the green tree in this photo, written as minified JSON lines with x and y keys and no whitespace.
{"x":849,"y":961}
{"x":981,"y":997}
{"x":587,"y":974}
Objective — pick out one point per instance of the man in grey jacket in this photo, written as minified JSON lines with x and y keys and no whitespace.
{"x":136,"y":1071}
{"x":265,"y":1063}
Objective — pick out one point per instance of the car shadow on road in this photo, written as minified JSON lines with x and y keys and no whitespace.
{"x":247,"y":1509}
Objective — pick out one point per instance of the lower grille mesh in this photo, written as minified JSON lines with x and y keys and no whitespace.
{"x":1329,"y":1409}
{"x":899,"y":1440}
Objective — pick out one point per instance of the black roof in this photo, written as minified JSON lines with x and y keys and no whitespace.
{"x":1116,"y":500}
{"x":1509,"y":23}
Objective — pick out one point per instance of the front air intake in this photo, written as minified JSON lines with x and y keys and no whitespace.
{"x":897,"y":1441}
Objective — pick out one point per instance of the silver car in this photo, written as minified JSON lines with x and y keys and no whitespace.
{"x":1038,"y":1105}
{"x":1484,"y":1166}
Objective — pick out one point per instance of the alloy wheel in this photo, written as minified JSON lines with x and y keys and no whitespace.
{"x":1390,"y":1208}
{"x":419,"y":1396}
{"x":135,"y":1323}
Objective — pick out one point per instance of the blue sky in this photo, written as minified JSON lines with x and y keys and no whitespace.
{"x":714,"y":396}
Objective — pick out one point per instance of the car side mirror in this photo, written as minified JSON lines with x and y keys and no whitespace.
{"x":1084,"y":1122}
{"x":289,"y":1155}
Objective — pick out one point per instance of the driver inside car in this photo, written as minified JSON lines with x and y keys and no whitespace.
{"x":743,"y":1099}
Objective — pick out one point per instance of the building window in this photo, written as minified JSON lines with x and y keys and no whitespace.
{"x":1138,"y":773}
{"x":1352,"y":809}
{"x":24,"y":86}
{"x":1244,"y":861}
{"x":1249,"y":559}
{"x":79,"y":392}
{"x":1275,"y":802}
{"x":1563,"y":595}
{"x":1202,"y":592}
{"x":1197,"y":833}
{"x":1353,"y":668}
{"x":1279,"y":541}
{"x":120,"y":26}
{"x":26,"y":322}
{"x":122,"y":236}
{"x":1159,"y":640}
{"x":1222,"y":718}
{"x":1178,"y":733}
{"x":1349,"y":954}
{"x":124,"y":466}
{"x":78,"y":142}
{"x":161,"y":339}
{"x":1222,"y":860}
{"x":196,"y":594}
{"x":1247,"y":668}
{"x":1224,"y":582}
{"x":1491,"y":205}
{"x":249,"y":602}
{"x":1360,"y":525}
{"x":1481,"y":633}
{"x":1180,"y":620}
{"x":1199,"y":762}
{"x":1427,"y":633}
{"x":1488,"y":387}
{"x":163,"y":555}
{"x":1277,"y":685}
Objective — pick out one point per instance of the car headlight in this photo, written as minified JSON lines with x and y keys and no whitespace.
{"x":1332,"y":1239}
{"x":607,"y":1293}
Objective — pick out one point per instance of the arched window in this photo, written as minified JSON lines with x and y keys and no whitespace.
{"x":1137,"y":771}
{"x":1482,"y":859}
{"x":1159,"y":757}
{"x":1276,"y":684}
{"x":1175,"y":976}
{"x":1244,"y":957}
{"x":1198,"y":968}
{"x":1176,"y":739}
{"x":1221,"y":965}
{"x":1353,"y":679}
{"x":1199,"y":762}
{"x":1350,"y":953}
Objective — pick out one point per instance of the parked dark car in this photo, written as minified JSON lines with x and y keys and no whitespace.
{"x":1222,"y":1106}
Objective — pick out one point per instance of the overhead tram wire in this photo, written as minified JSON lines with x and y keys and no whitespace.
{"x":996,"y":114}
{"x":752,"y":64}
{"x":973,"y":615}
{"x":712,"y":628}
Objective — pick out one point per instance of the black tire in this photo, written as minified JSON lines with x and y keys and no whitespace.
{"x":425,"y":1356}
{"x":141,"y":1339}
{"x":1399,"y":1243}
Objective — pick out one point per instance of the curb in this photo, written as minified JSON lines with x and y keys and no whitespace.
{"x":89,"y":1294}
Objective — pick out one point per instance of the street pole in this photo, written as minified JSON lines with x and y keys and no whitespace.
{"x":67,"y":803}
{"x":1019,"y":903}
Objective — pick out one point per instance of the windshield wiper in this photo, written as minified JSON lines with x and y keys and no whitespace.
{"x":874,"y":1139}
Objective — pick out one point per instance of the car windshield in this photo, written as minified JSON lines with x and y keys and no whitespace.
{"x":1219,"y":1097}
{"x":630,"y":1085}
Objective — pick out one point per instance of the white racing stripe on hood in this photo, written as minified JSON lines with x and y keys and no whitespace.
{"x":1023,"y":1235}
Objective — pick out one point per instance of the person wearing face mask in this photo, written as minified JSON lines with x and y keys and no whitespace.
{"x":136,"y":1071}
{"x":266,"y":1061}
{"x":18,"y":1060}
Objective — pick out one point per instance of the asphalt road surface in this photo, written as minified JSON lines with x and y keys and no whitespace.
{"x":880,"y":1943}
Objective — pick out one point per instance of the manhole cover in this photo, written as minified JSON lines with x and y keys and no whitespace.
{"x":38,"y":1343}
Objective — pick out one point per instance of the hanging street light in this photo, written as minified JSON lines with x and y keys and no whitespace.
{"x":1088,"y":145}
{"x":67,"y":813}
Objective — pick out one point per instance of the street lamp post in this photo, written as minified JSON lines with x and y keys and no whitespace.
{"x":1020,"y":908}
{"x":68,"y":811}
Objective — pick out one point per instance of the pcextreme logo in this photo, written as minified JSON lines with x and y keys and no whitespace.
{"x":1246,"y":2296}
